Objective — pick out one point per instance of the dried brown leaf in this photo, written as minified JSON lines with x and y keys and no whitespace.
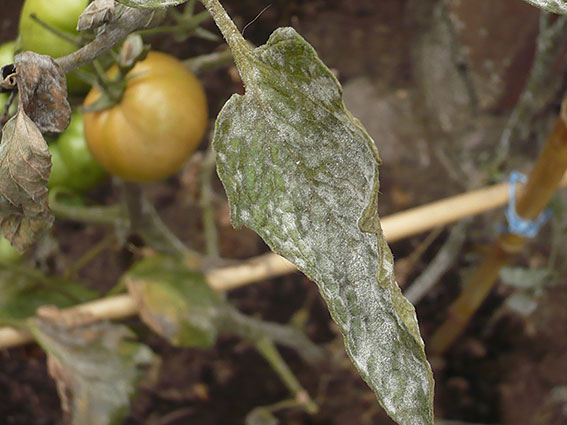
{"x":25,"y":165}
{"x":98,"y":13}
{"x":42,"y":91}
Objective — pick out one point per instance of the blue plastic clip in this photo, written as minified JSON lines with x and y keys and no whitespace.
{"x":516,"y":224}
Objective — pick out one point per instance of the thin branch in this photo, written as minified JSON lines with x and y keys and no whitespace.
{"x":255,"y":330}
{"x":112,"y":215}
{"x":268,"y":350}
{"x":129,"y":21}
{"x":209,"y":61}
{"x":444,"y":259}
{"x":206,"y":203}
{"x":146,"y":221}
{"x":542,"y":81}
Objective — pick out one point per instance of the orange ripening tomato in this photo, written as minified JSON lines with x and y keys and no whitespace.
{"x":157,"y":125}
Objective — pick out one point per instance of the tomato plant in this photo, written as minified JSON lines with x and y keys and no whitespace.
{"x":155,"y":127}
{"x":61,"y":15}
{"x":73,"y":165}
{"x":296,"y":166}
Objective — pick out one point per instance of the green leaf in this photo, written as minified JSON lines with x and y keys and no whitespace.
{"x":96,"y":369}
{"x":303,"y":173}
{"x":175,"y":302}
{"x":24,"y":290}
{"x":151,"y":4}
{"x":553,"y":6}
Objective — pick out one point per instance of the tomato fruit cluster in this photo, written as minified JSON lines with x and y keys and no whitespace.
{"x":61,"y":15}
{"x":73,"y":166}
{"x":156,"y":126}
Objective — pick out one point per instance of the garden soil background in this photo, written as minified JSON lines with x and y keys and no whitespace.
{"x":434,"y":82}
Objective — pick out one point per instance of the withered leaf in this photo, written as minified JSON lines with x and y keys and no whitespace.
{"x":96,"y":368}
{"x":42,"y":91}
{"x":174,"y":301}
{"x":98,"y":13}
{"x":25,"y":164}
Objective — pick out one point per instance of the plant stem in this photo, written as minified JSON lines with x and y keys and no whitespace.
{"x":146,"y":221}
{"x":436,"y":268}
{"x":542,"y":184}
{"x":206,"y":203}
{"x":131,"y":20}
{"x":542,"y":83}
{"x":209,"y":61}
{"x":90,"y":255}
{"x":108,"y":215}
{"x":230,"y":32}
{"x":269,"y":351}
{"x":255,"y":330}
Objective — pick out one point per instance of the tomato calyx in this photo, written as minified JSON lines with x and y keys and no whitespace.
{"x":111,"y":91}
{"x":112,"y":88}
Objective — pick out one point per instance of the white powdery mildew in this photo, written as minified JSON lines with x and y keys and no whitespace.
{"x":300,"y":172}
{"x":555,"y":6}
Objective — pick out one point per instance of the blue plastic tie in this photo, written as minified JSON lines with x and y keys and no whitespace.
{"x":516,"y":224}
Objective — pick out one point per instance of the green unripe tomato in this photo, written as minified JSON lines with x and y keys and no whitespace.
{"x":7,"y":53}
{"x":59,"y":176}
{"x":8,"y":254}
{"x":73,"y":165}
{"x":61,"y":15}
{"x":6,"y":57}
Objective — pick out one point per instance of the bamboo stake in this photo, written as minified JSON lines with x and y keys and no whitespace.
{"x":542,"y":184}
{"x":266,"y":266}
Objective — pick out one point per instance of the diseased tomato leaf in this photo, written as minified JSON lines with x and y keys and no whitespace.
{"x":97,"y":13}
{"x":97,"y":370}
{"x":303,"y":173}
{"x":42,"y":91}
{"x":175,"y":302}
{"x":151,"y":4}
{"x":25,"y":164}
{"x":553,"y":6}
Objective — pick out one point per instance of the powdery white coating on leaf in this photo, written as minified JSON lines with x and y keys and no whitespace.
{"x":554,"y":6}
{"x":301,"y":172}
{"x":151,"y":4}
